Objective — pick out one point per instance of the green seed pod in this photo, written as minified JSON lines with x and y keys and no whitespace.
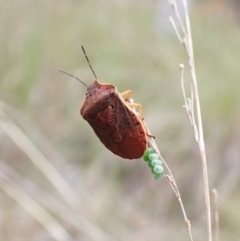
{"x":152,"y":170}
{"x":158,"y":176}
{"x":158,"y":169}
{"x":147,"y":153}
{"x":149,"y":164}
{"x":153,"y":156}
{"x":156,"y":162}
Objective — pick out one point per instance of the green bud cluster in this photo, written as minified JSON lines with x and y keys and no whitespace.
{"x":154,"y":163}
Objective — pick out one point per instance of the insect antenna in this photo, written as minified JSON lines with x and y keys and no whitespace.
{"x":72,"y":76}
{"x":88,"y":62}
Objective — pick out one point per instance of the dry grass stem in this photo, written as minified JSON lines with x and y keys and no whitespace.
{"x":170,"y":179}
{"x":194,"y":95}
{"x":175,"y":29}
{"x":215,"y":214}
{"x":173,"y":4}
{"x":189,"y":103}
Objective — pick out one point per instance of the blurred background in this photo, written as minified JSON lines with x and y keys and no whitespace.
{"x":57,"y":180}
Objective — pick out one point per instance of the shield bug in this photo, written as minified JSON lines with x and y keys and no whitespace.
{"x":114,"y":118}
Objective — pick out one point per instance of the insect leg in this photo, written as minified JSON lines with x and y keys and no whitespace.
{"x":136,"y":106}
{"x":126,"y":95}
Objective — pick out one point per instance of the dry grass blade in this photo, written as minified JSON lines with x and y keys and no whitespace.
{"x":62,"y":211}
{"x":39,"y":160}
{"x":32,"y":207}
{"x":68,"y":195}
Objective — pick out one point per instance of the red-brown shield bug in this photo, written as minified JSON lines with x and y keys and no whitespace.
{"x":114,"y":118}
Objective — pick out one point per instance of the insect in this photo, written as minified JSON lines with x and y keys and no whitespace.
{"x":114,"y":118}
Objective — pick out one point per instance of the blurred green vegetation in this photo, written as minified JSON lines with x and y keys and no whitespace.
{"x":128,"y":48}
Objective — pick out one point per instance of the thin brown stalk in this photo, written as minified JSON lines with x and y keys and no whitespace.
{"x":194,"y":90}
{"x":170,"y":179}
